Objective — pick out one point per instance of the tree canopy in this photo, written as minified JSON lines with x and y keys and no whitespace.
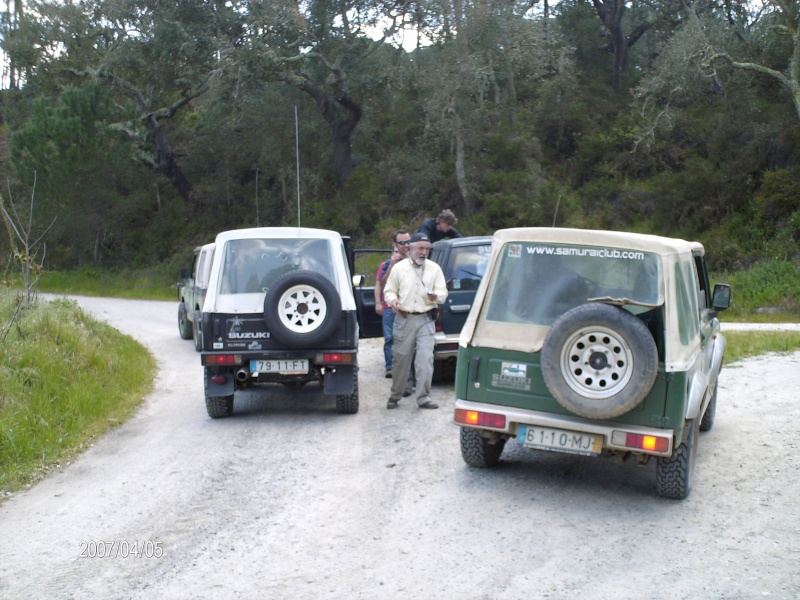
{"x":148,"y":127}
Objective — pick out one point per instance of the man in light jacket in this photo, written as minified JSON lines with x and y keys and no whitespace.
{"x":414,"y":290}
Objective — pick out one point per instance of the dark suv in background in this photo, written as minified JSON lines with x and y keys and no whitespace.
{"x":463,"y":261}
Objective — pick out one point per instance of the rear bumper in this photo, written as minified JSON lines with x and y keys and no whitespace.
{"x":445,"y":345}
{"x":611,"y":431}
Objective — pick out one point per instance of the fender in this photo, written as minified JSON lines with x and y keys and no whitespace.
{"x":716,"y":360}
{"x":704,"y":384}
{"x":697,"y":393}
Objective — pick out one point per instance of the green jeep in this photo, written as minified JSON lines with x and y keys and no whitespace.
{"x":592,"y":342}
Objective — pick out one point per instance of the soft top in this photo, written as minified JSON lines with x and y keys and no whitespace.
{"x":676,"y":268}
{"x":595,"y":237}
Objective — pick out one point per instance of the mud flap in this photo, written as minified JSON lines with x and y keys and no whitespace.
{"x":219,"y":389}
{"x":340,"y":381}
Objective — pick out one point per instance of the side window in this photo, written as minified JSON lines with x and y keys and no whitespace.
{"x":703,"y":293}
{"x":688,"y":322}
{"x":194,"y":270}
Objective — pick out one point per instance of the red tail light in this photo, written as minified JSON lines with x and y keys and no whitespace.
{"x":335,"y":358}
{"x":211,"y":360}
{"x":480,"y":419}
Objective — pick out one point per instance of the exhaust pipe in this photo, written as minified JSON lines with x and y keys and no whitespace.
{"x":242,"y":375}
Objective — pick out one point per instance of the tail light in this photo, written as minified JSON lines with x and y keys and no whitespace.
{"x":213,"y":360}
{"x":336,"y":358}
{"x":480,"y":419}
{"x":648,"y":443}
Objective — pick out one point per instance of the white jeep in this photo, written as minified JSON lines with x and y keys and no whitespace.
{"x":279,"y":309}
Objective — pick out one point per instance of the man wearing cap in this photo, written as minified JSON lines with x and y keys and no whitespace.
{"x":441,"y":227}
{"x":414,"y":289}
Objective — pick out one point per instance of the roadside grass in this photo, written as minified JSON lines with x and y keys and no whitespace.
{"x":745,"y":344}
{"x":65,"y":379}
{"x":157,"y":283}
{"x":769,"y":292}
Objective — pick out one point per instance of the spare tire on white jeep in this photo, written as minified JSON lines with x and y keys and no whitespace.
{"x":302,"y":308}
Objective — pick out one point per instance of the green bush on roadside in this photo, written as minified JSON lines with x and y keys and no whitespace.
{"x":64,"y":379}
{"x":768,"y":287}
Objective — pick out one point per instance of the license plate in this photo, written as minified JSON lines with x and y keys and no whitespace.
{"x":560,"y":440}
{"x":291,"y":366}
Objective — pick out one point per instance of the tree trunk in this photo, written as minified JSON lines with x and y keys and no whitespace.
{"x":341,"y":128}
{"x":461,"y":175}
{"x":165,"y":161}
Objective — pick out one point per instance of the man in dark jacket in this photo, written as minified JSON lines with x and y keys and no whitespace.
{"x":441,"y":227}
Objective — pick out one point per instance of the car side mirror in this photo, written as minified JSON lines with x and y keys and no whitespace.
{"x":183,"y":273}
{"x":359,"y":280}
{"x":722,"y":297}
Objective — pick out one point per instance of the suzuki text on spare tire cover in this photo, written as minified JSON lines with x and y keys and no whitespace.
{"x":279,"y":310}
{"x":592,"y":343}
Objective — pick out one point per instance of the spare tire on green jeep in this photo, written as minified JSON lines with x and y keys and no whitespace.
{"x":599,"y":361}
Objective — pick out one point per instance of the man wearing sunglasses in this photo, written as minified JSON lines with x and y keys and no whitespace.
{"x":400,"y":246}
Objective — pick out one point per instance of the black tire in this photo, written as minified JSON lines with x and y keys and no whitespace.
{"x":348,"y":403}
{"x":184,"y":324}
{"x":302,"y":309}
{"x":198,"y":331}
{"x":477,"y":451}
{"x":707,"y":422}
{"x":599,"y":361}
{"x":674,"y":473}
{"x":218,"y":407}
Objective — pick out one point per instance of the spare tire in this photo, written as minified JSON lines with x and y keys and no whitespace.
{"x":599,"y":361}
{"x":302,"y":309}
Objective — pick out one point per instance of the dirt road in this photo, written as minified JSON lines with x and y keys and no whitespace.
{"x":289,"y":499}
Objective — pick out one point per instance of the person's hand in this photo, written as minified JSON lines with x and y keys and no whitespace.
{"x":379,"y":308}
{"x":432,"y":296}
{"x":395,"y":308}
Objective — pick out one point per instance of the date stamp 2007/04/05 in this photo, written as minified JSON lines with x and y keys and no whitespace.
{"x":121,"y":549}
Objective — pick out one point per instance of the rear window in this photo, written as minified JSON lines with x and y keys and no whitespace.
{"x":252,"y":265}
{"x":536,"y":283}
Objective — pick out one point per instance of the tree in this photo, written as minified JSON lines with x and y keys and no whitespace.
{"x":157,"y":57}
{"x":778,"y":17}
{"x":646,"y":15}
{"x":317,"y":47}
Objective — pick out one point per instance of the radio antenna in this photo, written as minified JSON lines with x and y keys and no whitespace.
{"x":297,"y":151}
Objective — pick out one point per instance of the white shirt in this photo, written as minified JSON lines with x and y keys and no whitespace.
{"x":408,"y":283}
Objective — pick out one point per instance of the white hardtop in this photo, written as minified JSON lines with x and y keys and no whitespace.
{"x":216,"y":301}
{"x":477,"y":331}
{"x":276,"y":233}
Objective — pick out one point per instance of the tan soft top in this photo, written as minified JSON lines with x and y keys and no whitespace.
{"x":530,"y":338}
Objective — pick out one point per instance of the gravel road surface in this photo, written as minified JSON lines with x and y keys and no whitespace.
{"x":289,"y":499}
